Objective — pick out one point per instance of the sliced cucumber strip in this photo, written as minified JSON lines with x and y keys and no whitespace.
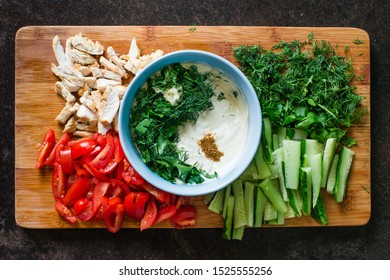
{"x":292,"y":159}
{"x":273,"y":195}
{"x":332,"y":175}
{"x":329,"y":152}
{"x":305,"y":189}
{"x":249,"y":199}
{"x":343,"y":167}
{"x":239,"y":219}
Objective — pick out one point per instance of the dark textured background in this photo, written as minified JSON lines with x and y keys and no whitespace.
{"x":367,"y":242}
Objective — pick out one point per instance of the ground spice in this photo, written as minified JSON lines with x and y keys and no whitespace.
{"x":209,"y":147}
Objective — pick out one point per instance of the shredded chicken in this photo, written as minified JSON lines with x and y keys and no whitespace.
{"x":92,"y":84}
{"x":82,"y":43}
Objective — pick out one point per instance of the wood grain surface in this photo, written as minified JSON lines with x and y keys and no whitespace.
{"x":37,"y":105}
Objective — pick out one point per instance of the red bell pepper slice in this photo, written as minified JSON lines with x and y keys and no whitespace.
{"x":135,"y":203}
{"x":80,"y":188}
{"x":113,"y":217}
{"x":83,"y":146}
{"x":94,"y":172}
{"x":150,"y":215}
{"x":65,"y":212}
{"x":116,"y":159}
{"x":165,"y":213}
{"x":98,"y":193}
{"x":58,"y":182}
{"x":45,"y":148}
{"x":105,"y":156}
{"x":81,"y":206}
{"x":65,"y":160}
{"x":63,"y":141}
{"x":161,"y":196}
{"x":123,"y":186}
{"x":184,"y":217}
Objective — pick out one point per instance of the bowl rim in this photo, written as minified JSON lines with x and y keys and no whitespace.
{"x":254,"y":124}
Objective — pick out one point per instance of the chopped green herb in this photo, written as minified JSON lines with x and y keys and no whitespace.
{"x":192,"y":28}
{"x":359,"y":78}
{"x":303,"y":85}
{"x":364,"y":188}
{"x":358,"y":41}
{"x":155,"y":122}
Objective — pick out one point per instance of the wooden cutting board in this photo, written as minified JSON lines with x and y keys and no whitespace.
{"x":37,"y":105}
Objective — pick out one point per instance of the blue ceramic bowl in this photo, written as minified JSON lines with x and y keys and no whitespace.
{"x":254,"y":122}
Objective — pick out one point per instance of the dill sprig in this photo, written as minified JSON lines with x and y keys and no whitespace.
{"x":304,"y":85}
{"x":155,"y":122}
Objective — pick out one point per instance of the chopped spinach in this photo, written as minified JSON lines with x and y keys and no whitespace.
{"x":155,"y":122}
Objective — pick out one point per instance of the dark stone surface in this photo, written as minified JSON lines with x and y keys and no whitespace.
{"x":366,"y":242}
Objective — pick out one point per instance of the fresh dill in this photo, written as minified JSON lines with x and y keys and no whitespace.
{"x":358,"y":41}
{"x":304,"y":84}
{"x":364,"y":188}
{"x":155,"y":122}
{"x":192,"y":28}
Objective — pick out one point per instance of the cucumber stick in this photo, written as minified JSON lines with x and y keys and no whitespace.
{"x":342,"y":173}
{"x":228,"y":221}
{"x":263,"y":170}
{"x":332,"y":175}
{"x":305,"y":189}
{"x":239,"y":219}
{"x":316,"y":172}
{"x":319,"y":211}
{"x":273,"y":195}
{"x":260,"y":201}
{"x":329,"y":152}
{"x":281,"y":134}
{"x":266,"y":140}
{"x":292,"y":157}
{"x":275,"y":141}
{"x":278,"y":157}
{"x":216,"y":204}
{"x":295,"y":201}
{"x":270,"y":213}
{"x":228,"y":192}
{"x":238,"y":233}
{"x":309,"y":147}
{"x":249,"y":199}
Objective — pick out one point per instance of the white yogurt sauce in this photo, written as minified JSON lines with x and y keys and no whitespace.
{"x":227,"y":122}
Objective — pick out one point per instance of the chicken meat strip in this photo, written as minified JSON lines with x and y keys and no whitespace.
{"x":114,"y":58}
{"x":110,"y":105}
{"x":82,"y":57}
{"x":70,"y":125}
{"x":103,"y":129}
{"x":88,"y":101}
{"x":86,"y":114}
{"x":102,"y":84}
{"x":67,"y":112}
{"x":86,"y":45}
{"x":111,"y":66}
{"x":61,"y":90}
{"x":107,"y":74}
{"x":59,"y":51}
